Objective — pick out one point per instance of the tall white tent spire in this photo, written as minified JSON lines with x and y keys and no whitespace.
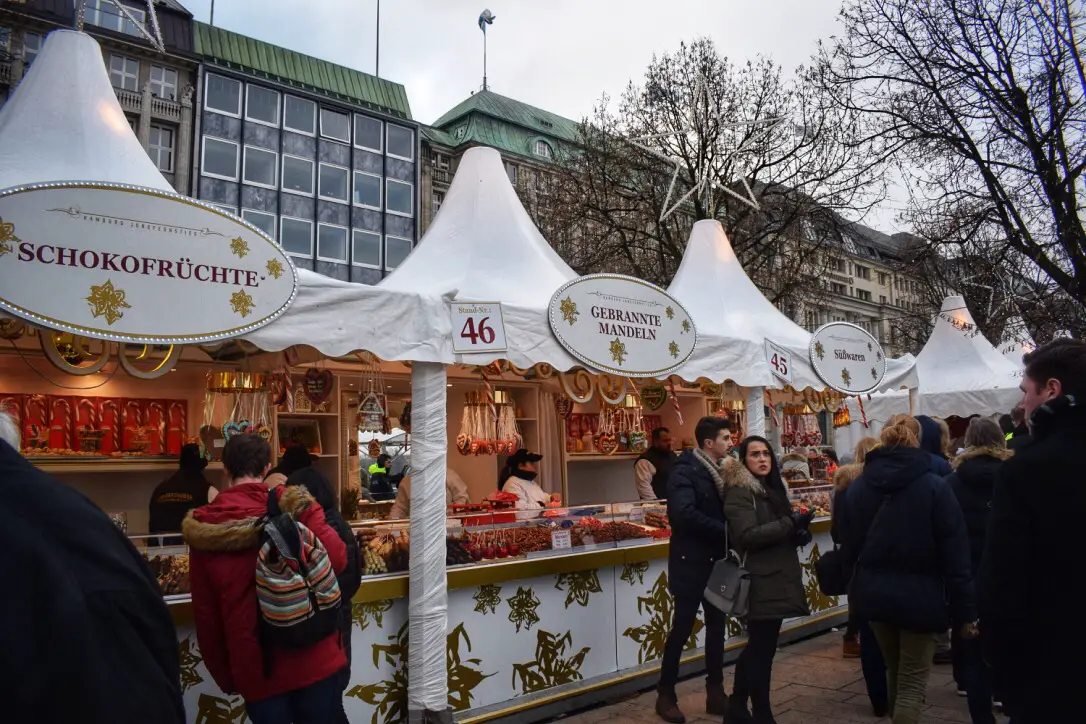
{"x":483,"y":243}
{"x":484,"y":247}
{"x":64,"y":123}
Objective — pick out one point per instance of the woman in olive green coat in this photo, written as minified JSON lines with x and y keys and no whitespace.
{"x":764,"y":531}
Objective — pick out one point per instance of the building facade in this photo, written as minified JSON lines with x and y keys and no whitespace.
{"x":155,"y":89}
{"x":319,"y":156}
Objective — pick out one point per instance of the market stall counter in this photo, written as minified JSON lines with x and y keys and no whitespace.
{"x":537,"y":608}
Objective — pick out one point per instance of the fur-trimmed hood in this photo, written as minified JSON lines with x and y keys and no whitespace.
{"x":235,"y":519}
{"x":999,"y":453}
{"x":736,"y":475}
{"x":845,"y":475}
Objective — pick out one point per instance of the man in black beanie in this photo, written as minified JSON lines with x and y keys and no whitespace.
{"x":178,"y":494}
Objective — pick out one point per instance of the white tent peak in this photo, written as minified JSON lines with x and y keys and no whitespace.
{"x":66,"y":104}
{"x":483,"y":243}
{"x":958,"y":358}
{"x":721,"y":298}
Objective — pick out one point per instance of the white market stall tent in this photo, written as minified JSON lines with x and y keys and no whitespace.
{"x":1017,"y":341}
{"x":961,"y":374}
{"x":734,"y":321}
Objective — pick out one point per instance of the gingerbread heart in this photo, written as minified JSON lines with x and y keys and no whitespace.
{"x":212,"y":441}
{"x":607,"y":444}
{"x":318,"y":385}
{"x":238,"y":427}
{"x":264,"y":430}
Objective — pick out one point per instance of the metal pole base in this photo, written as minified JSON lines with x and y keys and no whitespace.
{"x":426,"y":716}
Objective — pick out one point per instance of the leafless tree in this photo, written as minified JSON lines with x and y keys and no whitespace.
{"x":981,"y":105}
{"x":605,"y":206}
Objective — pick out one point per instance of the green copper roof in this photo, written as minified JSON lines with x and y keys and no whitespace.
{"x":512,"y":127}
{"x":236,"y":51}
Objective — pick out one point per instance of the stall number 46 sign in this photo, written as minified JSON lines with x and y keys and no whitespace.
{"x":477,"y":327}
{"x":779,"y":361}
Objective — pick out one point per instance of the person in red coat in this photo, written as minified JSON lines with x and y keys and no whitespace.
{"x":287,"y":685}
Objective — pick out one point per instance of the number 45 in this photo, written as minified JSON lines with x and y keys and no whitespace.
{"x":780,"y":364}
{"x":482,"y":333}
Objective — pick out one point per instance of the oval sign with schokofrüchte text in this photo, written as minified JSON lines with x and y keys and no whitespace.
{"x":136,"y":265}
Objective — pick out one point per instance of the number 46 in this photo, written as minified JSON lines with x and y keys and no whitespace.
{"x":482,"y":333}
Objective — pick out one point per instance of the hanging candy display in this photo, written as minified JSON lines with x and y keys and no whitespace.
{"x":488,"y":425}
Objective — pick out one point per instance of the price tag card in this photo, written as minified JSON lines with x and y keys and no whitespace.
{"x":478,"y":327}
{"x":779,"y":361}
{"x":637,"y":515}
{"x":560,"y":540}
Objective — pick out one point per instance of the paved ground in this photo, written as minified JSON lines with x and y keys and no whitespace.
{"x":812,"y":684}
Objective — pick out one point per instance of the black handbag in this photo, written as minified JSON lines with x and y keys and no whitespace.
{"x":833,"y":580}
{"x":728,"y":588}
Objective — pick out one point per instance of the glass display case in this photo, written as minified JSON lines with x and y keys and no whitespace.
{"x":481,"y":537}
{"x":168,"y":558}
{"x":816,"y":497}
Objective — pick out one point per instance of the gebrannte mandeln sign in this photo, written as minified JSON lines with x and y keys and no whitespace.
{"x":622,"y":325}
{"x":132,"y":264}
{"x":847,"y":358}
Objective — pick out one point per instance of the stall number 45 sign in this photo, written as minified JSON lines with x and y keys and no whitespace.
{"x":779,"y":361}
{"x":477,"y":327}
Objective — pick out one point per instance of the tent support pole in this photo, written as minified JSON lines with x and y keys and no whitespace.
{"x":914,"y":402}
{"x":428,"y":602}
{"x":755,"y":407}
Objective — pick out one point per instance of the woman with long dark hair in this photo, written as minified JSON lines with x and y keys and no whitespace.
{"x":764,"y":531}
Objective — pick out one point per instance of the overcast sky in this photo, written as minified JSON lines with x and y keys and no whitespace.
{"x":560,"y":55}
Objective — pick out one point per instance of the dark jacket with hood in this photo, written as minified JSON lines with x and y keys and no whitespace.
{"x":931,"y":442}
{"x":175,"y":496}
{"x":915,"y":558}
{"x":1028,"y":587}
{"x":85,"y":636}
{"x":695,"y":508}
{"x":350,"y":578}
{"x":224,"y":538}
{"x":973,"y":482}
{"x":765,"y":541}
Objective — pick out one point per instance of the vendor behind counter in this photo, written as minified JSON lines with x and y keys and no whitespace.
{"x":456,"y":493}
{"x":518,"y":477}
{"x":177,"y":495}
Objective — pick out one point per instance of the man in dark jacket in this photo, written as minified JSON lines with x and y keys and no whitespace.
{"x":86,"y":636}
{"x":350,"y":578}
{"x":931,"y":442}
{"x":175,"y":496}
{"x":698,"y":539}
{"x":1033,"y":630}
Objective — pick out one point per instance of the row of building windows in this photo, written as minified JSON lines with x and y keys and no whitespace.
{"x":296,"y":238}
{"x":220,"y":158}
{"x":268,"y":107}
{"x":124,"y":73}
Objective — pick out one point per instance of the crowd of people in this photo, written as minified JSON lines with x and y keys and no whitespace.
{"x":952,"y":551}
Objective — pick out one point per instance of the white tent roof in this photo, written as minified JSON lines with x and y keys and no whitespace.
{"x":63,"y":123}
{"x":483,"y":247}
{"x":734,"y":319}
{"x":1017,"y":341}
{"x":960,"y":372}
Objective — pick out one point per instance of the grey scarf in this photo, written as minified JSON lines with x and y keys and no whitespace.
{"x":714,"y":470}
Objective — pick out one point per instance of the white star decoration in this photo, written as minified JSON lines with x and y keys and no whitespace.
{"x":697,"y":124}
{"x":1002,"y":285}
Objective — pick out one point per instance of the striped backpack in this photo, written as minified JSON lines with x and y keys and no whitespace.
{"x":296,"y":588}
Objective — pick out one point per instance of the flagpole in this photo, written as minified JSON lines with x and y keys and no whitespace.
{"x":484,"y":58}
{"x":377,"y":64}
